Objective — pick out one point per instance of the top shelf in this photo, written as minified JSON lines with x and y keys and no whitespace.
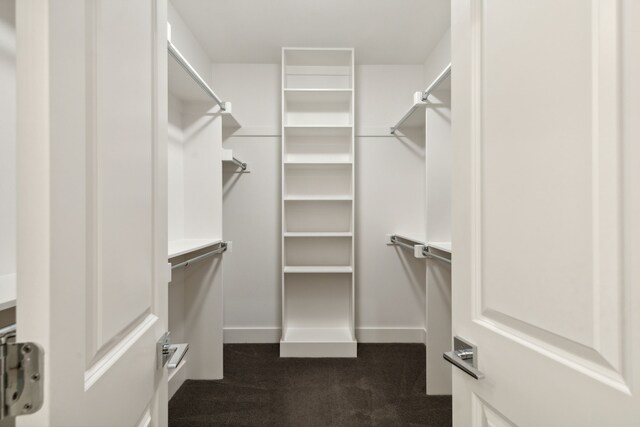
{"x":318,"y":69}
{"x":323,"y":57}
{"x":184,"y":246}
{"x":441,"y":246}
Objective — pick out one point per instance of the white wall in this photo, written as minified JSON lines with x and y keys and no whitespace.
{"x":7,"y":139}
{"x":390,"y":188}
{"x":437,"y":59}
{"x":189,"y":47}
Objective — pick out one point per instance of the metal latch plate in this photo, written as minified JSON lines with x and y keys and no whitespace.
{"x":23,"y":391}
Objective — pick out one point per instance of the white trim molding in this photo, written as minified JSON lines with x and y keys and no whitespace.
{"x":363,"y":335}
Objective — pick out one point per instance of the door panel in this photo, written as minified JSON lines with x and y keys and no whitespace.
{"x":547,"y":237}
{"x":120,"y":174}
{"x":539,"y":282}
{"x":92,"y":158}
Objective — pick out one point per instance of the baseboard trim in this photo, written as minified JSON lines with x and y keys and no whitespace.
{"x":252,"y":335}
{"x":363,"y":335}
{"x":390,"y":335}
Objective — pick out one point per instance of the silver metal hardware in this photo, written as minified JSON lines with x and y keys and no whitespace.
{"x":420,"y":249}
{"x":162,"y":348}
{"x":441,"y":77}
{"x":194,"y":74}
{"x":427,"y":253}
{"x":170,"y":354}
{"x":222,"y":247}
{"x":424,"y":96}
{"x":394,"y":240}
{"x":240,"y":164}
{"x":21,"y":375}
{"x":177,"y":353}
{"x":465,"y":357}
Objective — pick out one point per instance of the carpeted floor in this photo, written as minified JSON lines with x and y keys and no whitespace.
{"x":384,"y":386}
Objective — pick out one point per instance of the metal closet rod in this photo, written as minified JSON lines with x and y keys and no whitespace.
{"x":222,"y":248}
{"x":425,"y":95}
{"x":395,"y":241}
{"x":443,"y":75}
{"x":426,"y":252}
{"x":241,"y":164}
{"x":426,"y":249}
{"x":194,"y":74}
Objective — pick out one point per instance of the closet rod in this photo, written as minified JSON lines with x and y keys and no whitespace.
{"x":173,"y":51}
{"x":426,"y":251}
{"x":242,"y":165}
{"x":395,"y":241}
{"x":222,"y":248}
{"x":443,"y":75}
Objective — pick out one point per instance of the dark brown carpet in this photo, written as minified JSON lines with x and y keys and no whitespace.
{"x":384,"y":386}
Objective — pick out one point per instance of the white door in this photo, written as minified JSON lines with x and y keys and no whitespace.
{"x":92,"y":245}
{"x":546,"y":273}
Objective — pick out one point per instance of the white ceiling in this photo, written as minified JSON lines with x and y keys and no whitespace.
{"x":254,"y":31}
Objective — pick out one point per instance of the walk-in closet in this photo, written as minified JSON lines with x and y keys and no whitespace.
{"x":332,"y":169}
{"x":319,"y":213}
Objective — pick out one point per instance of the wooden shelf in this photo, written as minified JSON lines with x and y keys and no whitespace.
{"x":318,"y":269}
{"x":415,"y":117}
{"x":318,"y":162}
{"x":318,"y":198}
{"x":185,"y":246}
{"x":441,"y":246}
{"x":318,"y":174}
{"x":321,"y":96}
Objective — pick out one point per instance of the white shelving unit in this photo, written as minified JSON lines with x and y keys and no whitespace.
{"x":317,"y":203}
{"x":194,"y":161}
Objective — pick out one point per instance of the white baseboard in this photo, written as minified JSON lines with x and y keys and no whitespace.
{"x":252,"y":335}
{"x":390,"y":335}
{"x":363,"y":335}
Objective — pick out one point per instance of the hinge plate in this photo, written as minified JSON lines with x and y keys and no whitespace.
{"x":22,"y":379}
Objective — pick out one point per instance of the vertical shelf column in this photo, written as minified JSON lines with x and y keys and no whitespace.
{"x":318,"y":203}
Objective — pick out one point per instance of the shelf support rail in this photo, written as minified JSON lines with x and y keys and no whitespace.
{"x":240,"y":164}
{"x":222,"y":247}
{"x":441,"y":77}
{"x":175,"y":53}
{"x":420,"y":250}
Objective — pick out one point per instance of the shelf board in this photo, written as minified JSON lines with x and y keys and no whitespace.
{"x":318,"y":198}
{"x":318,"y":162}
{"x":318,"y":234}
{"x":318,"y":130}
{"x":312,"y":335}
{"x":415,"y":116}
{"x":229,"y":121}
{"x":313,"y":89}
{"x":185,"y":246}
{"x":7,"y":291}
{"x":318,"y":269}
{"x":441,"y":246}
{"x":321,"y":96}
{"x":413,"y":239}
